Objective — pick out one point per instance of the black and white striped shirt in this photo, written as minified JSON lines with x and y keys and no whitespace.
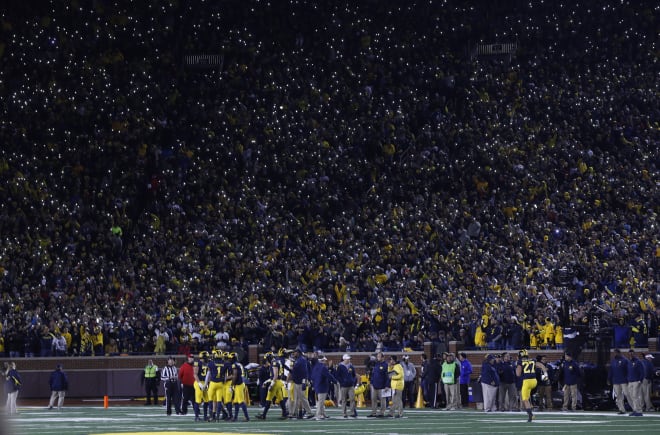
{"x":169,"y":373}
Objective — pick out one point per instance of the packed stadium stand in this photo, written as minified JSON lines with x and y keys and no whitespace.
{"x":337,"y":176}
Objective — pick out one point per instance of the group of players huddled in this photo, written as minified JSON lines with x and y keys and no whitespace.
{"x":221,"y":392}
{"x":219,"y":384}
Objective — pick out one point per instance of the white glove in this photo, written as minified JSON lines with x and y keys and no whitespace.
{"x":201,"y":385}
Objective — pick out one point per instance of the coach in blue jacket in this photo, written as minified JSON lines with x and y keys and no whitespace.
{"x":379,"y":381}
{"x":571,"y":377}
{"x":58,"y":383}
{"x":321,"y":378}
{"x":300,"y":377}
{"x":490,"y":382}
{"x":618,"y":378}
{"x":635,"y":379}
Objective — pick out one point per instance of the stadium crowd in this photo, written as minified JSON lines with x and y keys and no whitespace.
{"x":350,"y":176}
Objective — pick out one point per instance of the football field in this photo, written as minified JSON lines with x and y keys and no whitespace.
{"x":89,"y":420}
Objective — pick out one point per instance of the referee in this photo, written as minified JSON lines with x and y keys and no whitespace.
{"x":170,"y":378}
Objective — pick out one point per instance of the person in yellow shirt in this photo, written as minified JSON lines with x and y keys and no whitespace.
{"x":559,"y":337}
{"x":548,"y":334}
{"x":395,"y":372}
{"x":97,"y":342}
{"x":86,"y":342}
{"x":535,"y":339}
{"x":480,"y":336}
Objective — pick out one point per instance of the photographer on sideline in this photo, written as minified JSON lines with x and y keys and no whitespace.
{"x":409,"y":377}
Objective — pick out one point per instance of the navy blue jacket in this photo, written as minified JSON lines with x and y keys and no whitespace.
{"x":346,"y":375}
{"x":379,"y":379}
{"x":635,"y":370}
{"x":300,"y":370}
{"x":648,"y":369}
{"x":507,"y":372}
{"x":618,"y":371}
{"x":489,"y":374}
{"x":321,"y":378}
{"x":571,"y":372}
{"x":58,"y":381}
{"x":13,"y":381}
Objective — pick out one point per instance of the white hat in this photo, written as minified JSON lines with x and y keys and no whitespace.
{"x":649,"y":356}
{"x":346,"y":357}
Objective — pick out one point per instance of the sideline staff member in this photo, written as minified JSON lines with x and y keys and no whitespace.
{"x":58,"y":384}
{"x":150,"y":378}
{"x":187,"y":380}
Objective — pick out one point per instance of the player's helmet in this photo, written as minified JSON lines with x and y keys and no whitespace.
{"x":523,"y":353}
{"x":204,"y":355}
{"x":269,"y":356}
{"x":215,"y":354}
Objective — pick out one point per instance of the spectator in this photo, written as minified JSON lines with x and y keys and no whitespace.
{"x":136,"y":212}
{"x":59,"y":346}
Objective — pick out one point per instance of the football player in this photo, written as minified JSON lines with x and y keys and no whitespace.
{"x":215,"y":382}
{"x":200,"y":368}
{"x":238,"y":387}
{"x":277,"y":392}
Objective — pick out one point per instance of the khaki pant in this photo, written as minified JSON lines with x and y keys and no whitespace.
{"x":397,"y":403}
{"x":570,"y":397}
{"x":635,"y":396}
{"x":300,"y":401}
{"x":620,"y":391}
{"x":59,"y":395}
{"x":376,"y":397}
{"x":647,"y":385}
{"x":453,"y":396}
{"x":320,"y":405}
{"x":347,"y":394}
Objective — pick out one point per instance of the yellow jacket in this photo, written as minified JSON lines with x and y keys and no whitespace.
{"x":480,"y":337}
{"x":548,"y":333}
{"x":396,"y":381}
{"x":559,"y":335}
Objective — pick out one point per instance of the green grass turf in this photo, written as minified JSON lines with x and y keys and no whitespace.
{"x":119,"y":419}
